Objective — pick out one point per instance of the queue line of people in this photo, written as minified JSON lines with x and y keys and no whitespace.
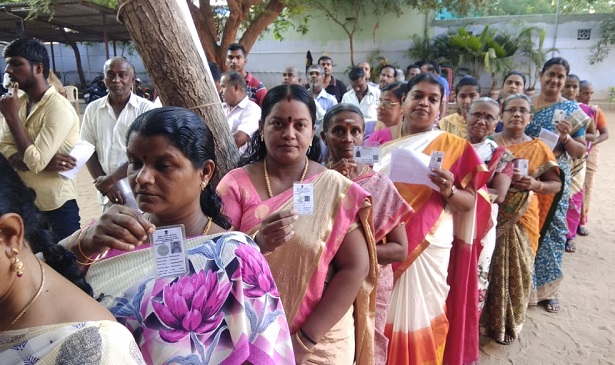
{"x":304,"y":288}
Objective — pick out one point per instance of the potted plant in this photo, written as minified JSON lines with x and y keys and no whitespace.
{"x":535,"y":52}
{"x":499,"y":59}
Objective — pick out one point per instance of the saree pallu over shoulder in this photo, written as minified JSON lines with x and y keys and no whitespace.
{"x":543,"y":206}
{"x":302,"y":267}
{"x":422,"y":308}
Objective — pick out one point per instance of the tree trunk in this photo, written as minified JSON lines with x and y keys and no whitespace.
{"x":75,"y":48}
{"x":172,"y":61}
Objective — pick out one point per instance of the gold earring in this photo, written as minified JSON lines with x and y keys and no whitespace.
{"x":203,"y":185}
{"x":262,"y":137}
{"x":17,"y":266}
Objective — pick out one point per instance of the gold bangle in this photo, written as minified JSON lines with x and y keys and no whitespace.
{"x":542,"y":185}
{"x":79,"y":244}
{"x":300,"y":342}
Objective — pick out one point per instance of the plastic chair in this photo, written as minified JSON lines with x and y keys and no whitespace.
{"x":72,"y":94}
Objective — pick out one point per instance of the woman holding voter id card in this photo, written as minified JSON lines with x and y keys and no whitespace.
{"x":520,"y":221}
{"x":343,"y":134}
{"x":554,"y":114}
{"x":314,"y":227}
{"x":207,"y":299}
{"x":432,"y":299}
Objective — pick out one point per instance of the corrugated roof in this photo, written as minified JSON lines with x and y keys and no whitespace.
{"x":87,"y":22}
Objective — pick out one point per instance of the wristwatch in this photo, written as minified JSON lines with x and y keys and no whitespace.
{"x":453,"y":191}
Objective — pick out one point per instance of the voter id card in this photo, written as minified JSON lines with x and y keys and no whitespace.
{"x":522,"y":165}
{"x":303,"y":198}
{"x":367,"y":155}
{"x":435,"y":160}
{"x":169,"y":250}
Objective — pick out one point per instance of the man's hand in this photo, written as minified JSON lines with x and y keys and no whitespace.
{"x":10,"y":104}
{"x":104,"y":183}
{"x":61,"y":162}
{"x":16,"y":160}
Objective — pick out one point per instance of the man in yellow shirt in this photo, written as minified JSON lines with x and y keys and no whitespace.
{"x":40,"y":130}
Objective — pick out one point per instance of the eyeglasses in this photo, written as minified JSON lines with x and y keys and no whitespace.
{"x":386,"y":103}
{"x":515,"y":110}
{"x":486,"y":117}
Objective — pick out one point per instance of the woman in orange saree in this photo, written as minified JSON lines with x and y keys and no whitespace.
{"x":520,"y":221}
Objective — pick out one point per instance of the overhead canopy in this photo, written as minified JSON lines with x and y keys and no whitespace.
{"x":82,"y":21}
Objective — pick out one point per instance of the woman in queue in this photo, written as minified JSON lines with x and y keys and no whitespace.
{"x":421,"y":305}
{"x":34,"y":325}
{"x":586,"y":94}
{"x":466,"y":91}
{"x":322,"y":262}
{"x":513,"y":83}
{"x":577,"y":167}
{"x":564,"y":117}
{"x":343,"y":130}
{"x":389,"y":106}
{"x":481,"y":120}
{"x":520,"y":221}
{"x":223,"y":307}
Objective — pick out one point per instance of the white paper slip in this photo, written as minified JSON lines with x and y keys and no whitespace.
{"x":549,"y":138}
{"x":435,"y":160}
{"x":411,"y":167}
{"x":368,"y":155}
{"x":169,"y":251}
{"x":82,"y":151}
{"x":303,"y":198}
{"x":129,"y":197}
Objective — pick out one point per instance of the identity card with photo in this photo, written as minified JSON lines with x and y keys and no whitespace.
{"x":303,"y":198}
{"x":558,"y":116}
{"x":522,"y":165}
{"x":169,"y":250}
{"x":368,"y":155}
{"x":435,"y":160}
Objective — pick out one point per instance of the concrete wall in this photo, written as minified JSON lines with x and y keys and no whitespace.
{"x":561,"y":32}
{"x":389,"y":35}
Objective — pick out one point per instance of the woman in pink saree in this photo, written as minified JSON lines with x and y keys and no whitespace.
{"x":343,"y":127}
{"x":324,"y":263}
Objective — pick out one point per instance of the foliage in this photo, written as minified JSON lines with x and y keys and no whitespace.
{"x":527,"y":7}
{"x":534,"y":51}
{"x":600,"y":50}
{"x":612,"y":94}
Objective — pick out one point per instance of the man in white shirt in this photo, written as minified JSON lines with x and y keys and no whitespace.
{"x":364,"y":96}
{"x":242,"y":114}
{"x":105,"y":123}
{"x":324,"y":100}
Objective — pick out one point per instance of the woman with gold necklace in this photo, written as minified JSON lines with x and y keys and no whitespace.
{"x":322,"y":262}
{"x":224,"y":305}
{"x":564,"y":117}
{"x":432,"y":299}
{"x":342,"y":131}
{"x":520,"y":221}
{"x":35,"y":323}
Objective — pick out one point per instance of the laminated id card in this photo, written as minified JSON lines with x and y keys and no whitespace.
{"x":435,"y":160}
{"x":367,"y":155}
{"x":169,"y":250}
{"x":303,"y":198}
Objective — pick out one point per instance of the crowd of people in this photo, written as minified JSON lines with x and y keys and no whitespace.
{"x":305,"y":253}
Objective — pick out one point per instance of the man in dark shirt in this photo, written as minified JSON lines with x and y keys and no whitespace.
{"x":331,"y":85}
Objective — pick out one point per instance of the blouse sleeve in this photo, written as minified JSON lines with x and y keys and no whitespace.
{"x":228,"y":189}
